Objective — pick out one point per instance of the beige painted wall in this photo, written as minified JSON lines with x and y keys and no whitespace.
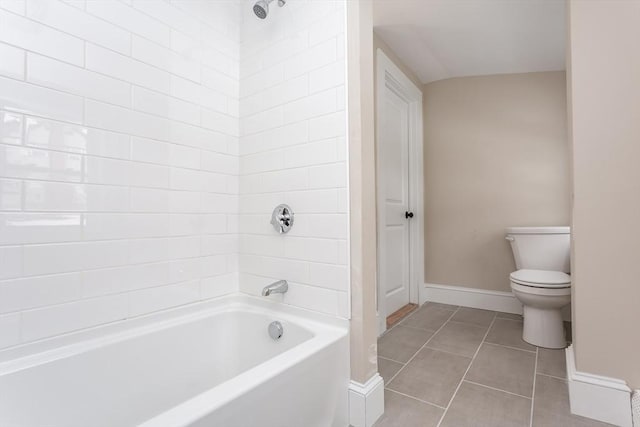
{"x":604,"y":82}
{"x":495,"y":155}
{"x":362,"y":213}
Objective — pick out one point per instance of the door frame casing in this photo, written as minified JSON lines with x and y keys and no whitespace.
{"x":390,"y":76}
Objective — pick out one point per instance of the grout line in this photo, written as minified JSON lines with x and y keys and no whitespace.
{"x":395,"y":375}
{"x":414,"y":398}
{"x":132,"y":33}
{"x":125,"y":81}
{"x":391,"y":360}
{"x":552,"y":376}
{"x":510,"y":347}
{"x":468,"y":324}
{"x":496,"y":389}
{"x":467,"y":371}
{"x":449,"y":352}
{"x":424,"y":345}
{"x":81,"y":125}
{"x":533,"y":392}
{"x":401,"y":322}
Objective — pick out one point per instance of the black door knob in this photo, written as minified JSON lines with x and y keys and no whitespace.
{"x":408,"y":214}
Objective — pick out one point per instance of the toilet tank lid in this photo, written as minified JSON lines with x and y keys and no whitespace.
{"x":539,"y":230}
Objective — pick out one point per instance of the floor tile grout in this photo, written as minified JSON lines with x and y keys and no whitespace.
{"x":552,"y":376}
{"x":493,"y":322}
{"x":414,"y":398}
{"x":391,"y":360}
{"x":424,"y":345}
{"x":467,"y":323}
{"x":400,"y":322}
{"x":533,"y":392}
{"x":496,"y":389}
{"x":448,"y":352}
{"x":467,"y":371}
{"x":512,"y":348}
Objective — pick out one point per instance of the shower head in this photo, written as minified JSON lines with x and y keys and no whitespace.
{"x":261,"y":7}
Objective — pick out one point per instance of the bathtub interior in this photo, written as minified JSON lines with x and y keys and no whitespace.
{"x":136,"y":378}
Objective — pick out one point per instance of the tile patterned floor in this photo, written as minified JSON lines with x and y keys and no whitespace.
{"x":448,"y":366}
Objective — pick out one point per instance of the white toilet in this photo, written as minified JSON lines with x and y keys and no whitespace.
{"x":541,"y":282}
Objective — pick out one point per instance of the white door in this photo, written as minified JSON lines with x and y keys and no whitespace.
{"x":393,"y":182}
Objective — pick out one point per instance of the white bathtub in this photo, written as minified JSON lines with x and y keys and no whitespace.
{"x":208,"y":364}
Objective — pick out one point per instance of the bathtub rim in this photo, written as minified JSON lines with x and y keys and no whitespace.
{"x":202,"y":404}
{"x":28,"y":355}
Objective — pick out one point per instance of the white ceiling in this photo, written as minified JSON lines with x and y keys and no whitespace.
{"x":439,"y":39}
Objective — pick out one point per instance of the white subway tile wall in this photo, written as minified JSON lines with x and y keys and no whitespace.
{"x":143,"y":146}
{"x":293,"y":150}
{"x":119,"y":160}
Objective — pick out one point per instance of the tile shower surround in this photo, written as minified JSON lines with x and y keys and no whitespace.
{"x":293,"y":150}
{"x":142,"y":145}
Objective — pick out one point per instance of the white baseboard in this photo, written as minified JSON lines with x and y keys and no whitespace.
{"x":505,"y":302}
{"x":366,"y":401}
{"x":600,"y":398}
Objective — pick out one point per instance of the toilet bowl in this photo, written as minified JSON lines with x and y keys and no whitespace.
{"x":543,"y":294}
{"x":541,"y":282}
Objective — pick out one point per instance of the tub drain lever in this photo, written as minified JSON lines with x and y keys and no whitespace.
{"x":276,"y":330}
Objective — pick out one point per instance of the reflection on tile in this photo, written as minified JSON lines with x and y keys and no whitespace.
{"x":54,"y":196}
{"x":431,"y":376}
{"x":39,"y":101}
{"x":551,"y":405}
{"x":49,"y":134}
{"x":10,"y":195}
{"x":477,"y":406}
{"x":504,"y":368}
{"x":458,"y":338}
{"x":402,"y":411}
{"x":429,"y":316}
{"x":552,"y":362}
{"x":21,"y":228}
{"x":474,"y":316}
{"x":401,"y":343}
{"x":509,"y":333}
{"x":10,"y":128}
{"x":388,"y":368}
{"x":23,"y":162}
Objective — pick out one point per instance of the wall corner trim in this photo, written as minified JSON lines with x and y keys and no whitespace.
{"x":600,"y":398}
{"x":366,"y":401}
{"x":484,"y":299}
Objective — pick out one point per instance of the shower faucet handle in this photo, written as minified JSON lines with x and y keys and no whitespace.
{"x":282,"y":218}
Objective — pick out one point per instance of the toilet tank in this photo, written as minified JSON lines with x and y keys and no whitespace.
{"x":540,"y":248}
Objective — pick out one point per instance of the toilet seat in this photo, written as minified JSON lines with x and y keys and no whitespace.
{"x":541,"y":279}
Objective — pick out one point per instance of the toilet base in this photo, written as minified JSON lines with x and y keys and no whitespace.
{"x":544,"y":327}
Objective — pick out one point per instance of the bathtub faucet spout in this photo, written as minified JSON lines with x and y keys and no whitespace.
{"x":279,"y":287}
